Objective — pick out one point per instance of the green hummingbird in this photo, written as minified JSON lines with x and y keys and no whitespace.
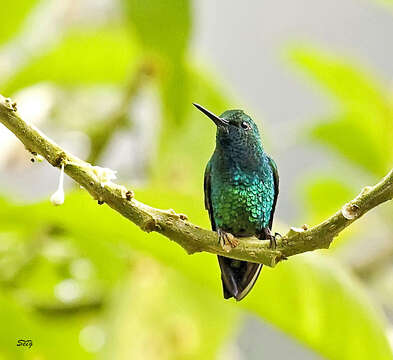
{"x":241,"y":188}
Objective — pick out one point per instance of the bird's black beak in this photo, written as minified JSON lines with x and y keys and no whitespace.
{"x":217,"y":120}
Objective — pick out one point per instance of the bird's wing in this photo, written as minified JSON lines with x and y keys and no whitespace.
{"x":276,"y":183}
{"x":208,"y":200}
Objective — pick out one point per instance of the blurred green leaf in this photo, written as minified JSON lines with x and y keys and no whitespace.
{"x":83,"y":57}
{"x":363,"y":130}
{"x":325,"y":195}
{"x":158,"y":306}
{"x":344,"y":79}
{"x":12,"y":16}
{"x":19,"y":326}
{"x":163,"y":28}
{"x":310,"y":297}
{"x":175,"y":92}
{"x":353,"y":136}
{"x":52,"y":338}
{"x":314,"y":299}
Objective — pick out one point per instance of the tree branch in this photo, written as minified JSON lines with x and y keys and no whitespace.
{"x":175,"y":226}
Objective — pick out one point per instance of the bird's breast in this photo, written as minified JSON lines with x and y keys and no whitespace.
{"x":241,"y":202}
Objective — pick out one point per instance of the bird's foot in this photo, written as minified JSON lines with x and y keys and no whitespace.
{"x":272,"y":242}
{"x":276,"y":235}
{"x":272,"y":239}
{"x":227,"y":240}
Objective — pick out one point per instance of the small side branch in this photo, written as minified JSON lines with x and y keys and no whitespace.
{"x":175,"y":226}
{"x":100,"y":136}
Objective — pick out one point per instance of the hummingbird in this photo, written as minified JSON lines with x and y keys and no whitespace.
{"x":241,"y":188}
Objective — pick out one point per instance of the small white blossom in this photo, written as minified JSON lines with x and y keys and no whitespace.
{"x":104,"y":175}
{"x":58,"y":197}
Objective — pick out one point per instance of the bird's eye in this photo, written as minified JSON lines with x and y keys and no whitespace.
{"x":245,"y":126}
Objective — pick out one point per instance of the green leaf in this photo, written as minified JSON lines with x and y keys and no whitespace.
{"x":343,"y":78}
{"x":174,"y":86}
{"x":175,"y":316}
{"x":82,"y":58}
{"x":325,"y":195}
{"x":363,"y":129}
{"x":12,"y":16}
{"x":47,"y":335}
{"x":314,"y":299}
{"x":364,"y":143}
{"x":311,"y":297}
{"x":163,"y":27}
{"x":19,"y":326}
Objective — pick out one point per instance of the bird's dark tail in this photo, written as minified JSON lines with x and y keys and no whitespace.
{"x":238,"y":277}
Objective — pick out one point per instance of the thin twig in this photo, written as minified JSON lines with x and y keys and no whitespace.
{"x":100,"y":136}
{"x":175,"y":226}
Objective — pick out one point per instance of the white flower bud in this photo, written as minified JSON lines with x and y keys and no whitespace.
{"x":104,"y":175}
{"x":58,"y":197}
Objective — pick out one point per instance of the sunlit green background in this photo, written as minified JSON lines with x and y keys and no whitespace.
{"x":113,"y":81}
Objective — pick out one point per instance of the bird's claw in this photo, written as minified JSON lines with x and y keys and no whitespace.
{"x":227,"y":240}
{"x":272,"y":240}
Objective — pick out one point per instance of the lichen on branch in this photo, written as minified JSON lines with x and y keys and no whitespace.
{"x":175,"y":226}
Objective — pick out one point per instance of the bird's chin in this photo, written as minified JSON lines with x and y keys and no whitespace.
{"x":223,"y":130}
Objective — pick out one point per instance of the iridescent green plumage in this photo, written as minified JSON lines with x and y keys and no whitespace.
{"x":241,"y":188}
{"x":242,"y":201}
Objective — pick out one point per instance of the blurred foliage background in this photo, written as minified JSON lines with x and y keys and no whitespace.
{"x":113,"y":82}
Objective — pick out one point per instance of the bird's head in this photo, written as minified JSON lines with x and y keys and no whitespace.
{"x":235,"y":129}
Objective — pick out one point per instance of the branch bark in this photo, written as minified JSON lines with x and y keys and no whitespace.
{"x":175,"y":226}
